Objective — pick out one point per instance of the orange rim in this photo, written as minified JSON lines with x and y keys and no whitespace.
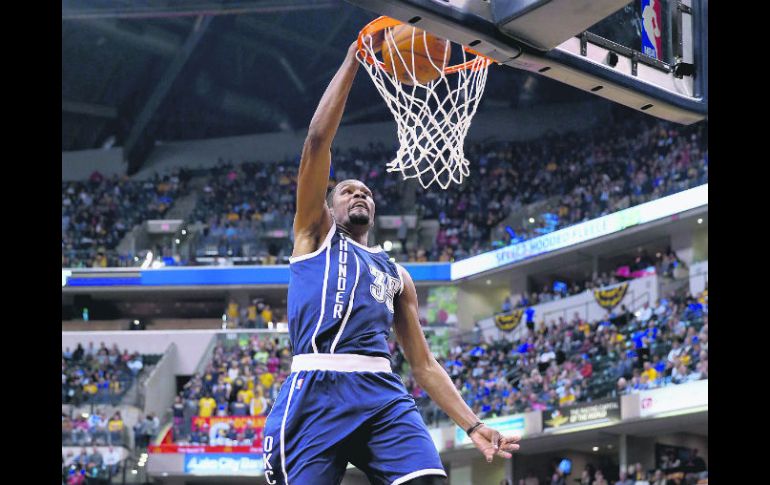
{"x":383,"y":22}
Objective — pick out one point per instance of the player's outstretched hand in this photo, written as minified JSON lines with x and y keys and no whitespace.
{"x":491,"y":443}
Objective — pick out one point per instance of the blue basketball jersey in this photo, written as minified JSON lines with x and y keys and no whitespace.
{"x":341,"y":302}
{"x":341,"y":298}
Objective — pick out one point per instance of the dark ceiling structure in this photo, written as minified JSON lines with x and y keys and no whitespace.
{"x":138,"y":72}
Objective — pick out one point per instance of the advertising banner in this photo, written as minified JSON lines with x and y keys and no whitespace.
{"x":232,"y":464}
{"x":674,"y":398}
{"x":582,"y":414}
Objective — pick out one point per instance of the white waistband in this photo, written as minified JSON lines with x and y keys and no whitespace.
{"x":340,"y":363}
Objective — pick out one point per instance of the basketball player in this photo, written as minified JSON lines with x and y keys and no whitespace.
{"x":341,"y":403}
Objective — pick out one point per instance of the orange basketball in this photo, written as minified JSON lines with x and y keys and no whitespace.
{"x":415,"y":59}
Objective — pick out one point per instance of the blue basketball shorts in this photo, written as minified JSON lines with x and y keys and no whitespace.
{"x":336,"y":409}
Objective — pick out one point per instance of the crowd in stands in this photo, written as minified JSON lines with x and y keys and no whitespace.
{"x":691,"y":472}
{"x":257,"y":314}
{"x":579,"y":176}
{"x":97,"y":213}
{"x":93,"y":429}
{"x":91,"y":466}
{"x":663,"y":263}
{"x":242,"y":379}
{"x":247,"y":208}
{"x":97,"y":375}
{"x":571,"y":361}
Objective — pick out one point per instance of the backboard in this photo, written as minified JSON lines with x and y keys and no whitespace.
{"x":650,"y":55}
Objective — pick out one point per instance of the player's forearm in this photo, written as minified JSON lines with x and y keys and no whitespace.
{"x":328,"y":115}
{"x":436,"y":382}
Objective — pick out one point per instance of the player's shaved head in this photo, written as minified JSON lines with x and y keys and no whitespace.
{"x":345,"y":201}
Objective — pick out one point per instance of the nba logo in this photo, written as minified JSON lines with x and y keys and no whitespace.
{"x":651,"y":41}
{"x":299,"y":384}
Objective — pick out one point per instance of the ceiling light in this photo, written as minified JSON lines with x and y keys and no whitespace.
{"x":531,"y":220}
{"x":387,"y":245}
{"x":595,"y":448}
{"x":700,"y":221}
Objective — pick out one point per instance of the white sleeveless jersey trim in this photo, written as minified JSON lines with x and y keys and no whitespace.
{"x":283,"y":432}
{"x":376,"y":249}
{"x":340,"y":363}
{"x":323,"y":300}
{"x":399,"y":269}
{"x":327,"y":241}
{"x":350,"y":307}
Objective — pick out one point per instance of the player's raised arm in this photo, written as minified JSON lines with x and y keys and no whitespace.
{"x":312,"y":219}
{"x":433,"y":378}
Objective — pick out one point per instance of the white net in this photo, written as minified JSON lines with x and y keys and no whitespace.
{"x":433,"y":118}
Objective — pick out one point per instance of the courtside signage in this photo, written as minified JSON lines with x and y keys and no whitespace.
{"x":674,"y":398}
{"x":582,"y":414}
{"x":585,"y":231}
{"x":224,"y":464}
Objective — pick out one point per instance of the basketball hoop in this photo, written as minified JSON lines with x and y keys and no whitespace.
{"x":433,"y":118}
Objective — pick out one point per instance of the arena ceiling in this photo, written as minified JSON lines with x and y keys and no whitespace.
{"x":137,"y":72}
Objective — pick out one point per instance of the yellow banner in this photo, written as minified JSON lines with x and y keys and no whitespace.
{"x":510,"y":321}
{"x":611,"y":297}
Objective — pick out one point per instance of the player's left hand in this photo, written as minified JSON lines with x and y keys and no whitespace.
{"x":491,"y":443}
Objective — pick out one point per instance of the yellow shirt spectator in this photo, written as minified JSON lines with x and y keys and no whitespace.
{"x":651,"y":374}
{"x":206,"y":407}
{"x":90,"y":388}
{"x":252,"y":312}
{"x":267,"y":379}
{"x":115,"y":425}
{"x":247,"y":395}
{"x":267,"y":315}
{"x":232,"y":310}
{"x":567,"y":400}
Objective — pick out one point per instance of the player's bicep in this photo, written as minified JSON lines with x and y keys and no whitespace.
{"x":312,"y":181}
{"x":406,"y":323}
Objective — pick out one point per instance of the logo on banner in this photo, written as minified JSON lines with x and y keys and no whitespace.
{"x":224,"y":464}
{"x":557,"y":419}
{"x":651,"y":39}
{"x":510,"y":321}
{"x":609,"y":298}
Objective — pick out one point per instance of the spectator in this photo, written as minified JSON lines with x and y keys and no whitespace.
{"x":658,"y":478}
{"x":112,"y":458}
{"x":624,"y":479}
{"x":115,"y":427}
{"x":239,"y":407}
{"x":206,"y":406}
{"x":599,"y":478}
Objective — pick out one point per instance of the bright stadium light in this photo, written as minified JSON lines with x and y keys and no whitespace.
{"x":595,"y":448}
{"x":531,"y":220}
{"x":387,"y":245}
{"x":184,"y":232}
{"x":700,"y":221}
{"x":177,"y":241}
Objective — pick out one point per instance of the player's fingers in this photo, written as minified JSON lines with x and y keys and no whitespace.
{"x":489,"y":453}
{"x":504,"y":454}
{"x":511,"y":439}
{"x":509,"y":447}
{"x":496,"y":440}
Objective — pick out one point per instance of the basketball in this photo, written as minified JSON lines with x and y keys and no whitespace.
{"x":416,"y":48}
